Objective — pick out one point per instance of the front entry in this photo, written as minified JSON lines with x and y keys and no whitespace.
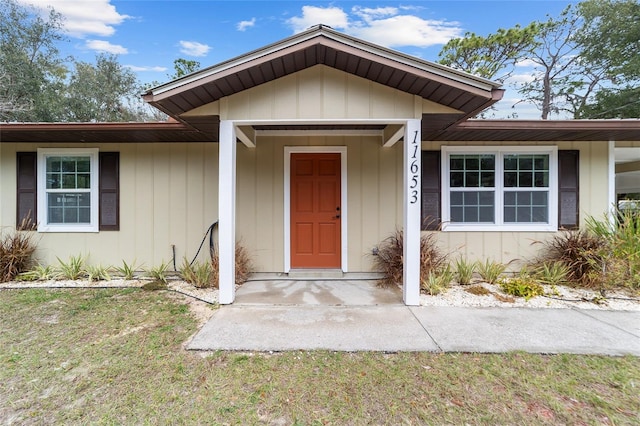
{"x":315,"y":210}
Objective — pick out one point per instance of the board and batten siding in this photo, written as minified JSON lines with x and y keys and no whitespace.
{"x":374,"y":207}
{"x":514,"y":247}
{"x":168,"y":196}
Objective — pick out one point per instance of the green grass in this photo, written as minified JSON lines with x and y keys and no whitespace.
{"x":89,"y":356}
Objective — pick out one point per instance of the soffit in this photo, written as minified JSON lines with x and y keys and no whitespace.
{"x":321,"y":45}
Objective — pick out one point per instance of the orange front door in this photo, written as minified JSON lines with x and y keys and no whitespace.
{"x":315,"y":210}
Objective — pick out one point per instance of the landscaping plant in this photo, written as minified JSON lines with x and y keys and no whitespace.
{"x":16,"y":251}
{"x":388,"y":259}
{"x":199,"y":274}
{"x":74,"y":269}
{"x":490,"y":270}
{"x":244,"y":266}
{"x":127,"y":270}
{"x":464,"y":270}
{"x":437,"y":281}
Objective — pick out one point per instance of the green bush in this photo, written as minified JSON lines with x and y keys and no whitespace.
{"x":464,"y":270}
{"x":437,"y":281}
{"x":490,"y":270}
{"x":521,"y":287}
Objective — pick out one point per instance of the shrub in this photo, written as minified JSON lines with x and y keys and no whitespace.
{"x":16,"y":251}
{"x":244,"y":266}
{"x":464,"y":270}
{"x":38,"y":273}
{"x":437,"y":281}
{"x":73,"y":269}
{"x":199,"y":274}
{"x":159,"y":273}
{"x":552,"y":273}
{"x":521,"y":287}
{"x":127,"y":270}
{"x":580,"y":251}
{"x":389,"y":259}
{"x":490,"y":270}
{"x":98,"y":273}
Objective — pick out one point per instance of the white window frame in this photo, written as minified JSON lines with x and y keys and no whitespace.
{"x":43,"y":225}
{"x":500,"y":152}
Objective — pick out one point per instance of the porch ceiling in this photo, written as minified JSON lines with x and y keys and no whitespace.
{"x":322,"y":45}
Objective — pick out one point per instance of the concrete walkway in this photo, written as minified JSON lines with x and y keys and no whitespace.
{"x":358,"y":316}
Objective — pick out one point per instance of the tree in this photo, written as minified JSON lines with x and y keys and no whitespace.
{"x":494,"y":56}
{"x":610,"y":37}
{"x":183,"y":67}
{"x":103,"y":92}
{"x":31,"y":70}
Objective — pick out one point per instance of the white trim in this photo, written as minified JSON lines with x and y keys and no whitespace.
{"x":552,"y":226}
{"x":342,"y":150}
{"x":411,"y":190}
{"x":612,"y":196}
{"x":227,"y":212}
{"x":320,"y":132}
{"x":43,"y":226}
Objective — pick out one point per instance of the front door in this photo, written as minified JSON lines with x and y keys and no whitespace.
{"x":315,"y":210}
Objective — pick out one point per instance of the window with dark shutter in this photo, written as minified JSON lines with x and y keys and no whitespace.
{"x":431,"y":192}
{"x":109,"y":197}
{"x":26,"y":212}
{"x":568,"y":189}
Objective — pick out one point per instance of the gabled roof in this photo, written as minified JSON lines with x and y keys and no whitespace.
{"x":323,"y":45}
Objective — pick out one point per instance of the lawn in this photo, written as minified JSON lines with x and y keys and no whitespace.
{"x":117,"y":357}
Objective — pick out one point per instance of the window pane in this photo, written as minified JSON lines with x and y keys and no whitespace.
{"x":526,"y":207}
{"x":83,"y":165}
{"x":456,"y":162}
{"x":457,"y":179}
{"x":68,"y":181}
{"x":525,"y":180}
{"x":525,"y":162}
{"x":488,"y":179}
{"x":53,"y":181}
{"x":84,"y":181}
{"x":472,"y":180}
{"x":510,"y":179}
{"x":472,"y":207}
{"x":541,"y":180}
{"x":69,"y":207}
{"x":510,"y":162}
{"x":487,"y":162}
{"x":472,"y":162}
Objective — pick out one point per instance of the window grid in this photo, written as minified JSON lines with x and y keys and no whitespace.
{"x":472,"y":185}
{"x":530,"y":203}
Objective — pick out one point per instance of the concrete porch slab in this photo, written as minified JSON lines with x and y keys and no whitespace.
{"x":317,"y":292}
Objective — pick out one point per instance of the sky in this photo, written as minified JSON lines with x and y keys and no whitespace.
{"x":148,"y":35}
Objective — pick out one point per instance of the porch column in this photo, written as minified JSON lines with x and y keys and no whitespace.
{"x":227,"y":212}
{"x":612,"y":196}
{"x":411,"y":215}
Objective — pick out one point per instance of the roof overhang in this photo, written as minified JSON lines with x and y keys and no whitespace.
{"x":321,"y":45}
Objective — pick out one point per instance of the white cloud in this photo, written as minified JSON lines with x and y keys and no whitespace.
{"x":387,"y":26}
{"x":243,"y":25}
{"x":407,"y":30}
{"x":142,"y":69}
{"x":105,"y":46}
{"x":193,"y":48}
{"x":521,"y":78}
{"x":526,"y":63}
{"x":83,"y":18}
{"x":312,"y":15}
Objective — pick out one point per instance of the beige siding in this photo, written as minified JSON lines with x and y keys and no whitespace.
{"x":373,"y":180}
{"x":168,"y":196}
{"x":515,"y":247}
{"x":318,"y":92}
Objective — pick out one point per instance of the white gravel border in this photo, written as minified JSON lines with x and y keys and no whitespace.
{"x":456,"y":295}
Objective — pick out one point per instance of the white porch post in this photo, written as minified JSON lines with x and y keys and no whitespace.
{"x":612,"y":196}
{"x":411,"y":217}
{"x":227,"y":212}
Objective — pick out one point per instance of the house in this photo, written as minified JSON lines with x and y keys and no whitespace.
{"x":311,"y":151}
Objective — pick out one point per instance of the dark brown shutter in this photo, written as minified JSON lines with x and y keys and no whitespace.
{"x":27,"y":200}
{"x":109,"y":195}
{"x":431,"y":195}
{"x":568,"y":189}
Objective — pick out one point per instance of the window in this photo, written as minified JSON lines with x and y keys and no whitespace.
{"x":499,"y":188}
{"x":68,"y":190}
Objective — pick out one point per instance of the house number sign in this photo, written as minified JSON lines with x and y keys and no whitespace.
{"x":414,"y":169}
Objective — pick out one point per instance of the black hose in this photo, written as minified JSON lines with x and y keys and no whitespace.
{"x":212,"y":249}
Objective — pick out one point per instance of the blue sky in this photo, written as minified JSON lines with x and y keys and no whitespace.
{"x":148,"y":35}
